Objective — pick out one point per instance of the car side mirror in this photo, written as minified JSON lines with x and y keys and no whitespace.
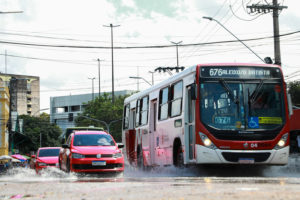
{"x":120,"y":145}
{"x":66,"y":146}
{"x":32,"y":156}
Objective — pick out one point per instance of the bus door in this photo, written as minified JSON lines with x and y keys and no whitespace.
{"x":152,"y":130}
{"x":189,"y":125}
{"x":131,"y":137}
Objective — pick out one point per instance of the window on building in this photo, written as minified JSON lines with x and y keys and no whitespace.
{"x":75,"y":108}
{"x":62,"y":109}
{"x":163,"y":104}
{"x":176,"y":99}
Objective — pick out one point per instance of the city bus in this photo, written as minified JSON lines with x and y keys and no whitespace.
{"x":210,"y":114}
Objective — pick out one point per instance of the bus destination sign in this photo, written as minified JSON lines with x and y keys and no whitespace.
{"x":240,"y":72}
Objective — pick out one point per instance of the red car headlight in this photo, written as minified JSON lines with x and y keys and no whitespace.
{"x":77,"y":155}
{"x":117,"y":155}
{"x":42,"y":164}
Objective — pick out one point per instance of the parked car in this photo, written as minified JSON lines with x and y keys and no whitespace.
{"x":46,"y":157}
{"x":91,"y":152}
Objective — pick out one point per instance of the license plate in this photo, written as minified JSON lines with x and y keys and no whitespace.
{"x":98,"y":163}
{"x":246,"y":160}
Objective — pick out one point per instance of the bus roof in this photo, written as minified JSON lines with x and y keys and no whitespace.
{"x":186,"y":72}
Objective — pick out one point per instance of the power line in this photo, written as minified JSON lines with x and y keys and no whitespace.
{"x":142,"y":47}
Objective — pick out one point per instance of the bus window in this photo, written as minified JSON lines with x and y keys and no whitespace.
{"x":126,"y":117}
{"x":163,"y":103}
{"x":176,"y":99}
{"x":137,"y":119}
{"x":142,"y":111}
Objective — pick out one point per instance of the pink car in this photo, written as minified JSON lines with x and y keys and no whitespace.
{"x":91,"y":152}
{"x":46,"y":157}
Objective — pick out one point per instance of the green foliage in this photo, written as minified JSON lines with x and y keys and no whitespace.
{"x":33,"y":127}
{"x":103,"y":109}
{"x":294,"y":90}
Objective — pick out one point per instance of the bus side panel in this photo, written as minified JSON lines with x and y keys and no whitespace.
{"x":130,"y":137}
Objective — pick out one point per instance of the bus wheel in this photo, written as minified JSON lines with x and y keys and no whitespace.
{"x":179,"y":158}
{"x":140,"y":161}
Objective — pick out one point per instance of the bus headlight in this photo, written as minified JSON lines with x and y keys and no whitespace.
{"x":206,"y":141}
{"x":282,"y":142}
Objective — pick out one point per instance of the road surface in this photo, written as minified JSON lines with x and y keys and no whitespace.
{"x":168,"y":183}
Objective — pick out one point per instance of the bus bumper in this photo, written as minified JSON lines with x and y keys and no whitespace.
{"x":206,"y":155}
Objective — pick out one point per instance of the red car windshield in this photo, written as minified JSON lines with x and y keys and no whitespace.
{"x":93,"y":140}
{"x":48,"y":152}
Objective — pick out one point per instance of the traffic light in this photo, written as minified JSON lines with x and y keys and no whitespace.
{"x":70,"y":117}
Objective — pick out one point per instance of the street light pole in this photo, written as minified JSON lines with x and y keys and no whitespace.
{"x":177,"y":43}
{"x":138,"y":77}
{"x":212,"y":19}
{"x":152,"y":73}
{"x":92,"y":87}
{"x":112,"y":60}
{"x":99,"y":75}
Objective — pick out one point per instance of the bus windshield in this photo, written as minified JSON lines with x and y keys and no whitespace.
{"x":242,"y":105}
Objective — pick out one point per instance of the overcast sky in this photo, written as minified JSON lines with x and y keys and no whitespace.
{"x":150,"y":25}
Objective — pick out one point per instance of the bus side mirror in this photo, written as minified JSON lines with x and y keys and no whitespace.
{"x":193,"y":92}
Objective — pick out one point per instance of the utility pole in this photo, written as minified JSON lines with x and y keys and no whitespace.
{"x":92,"y":87}
{"x":177,"y":43}
{"x":5,"y":61}
{"x":266,"y":8}
{"x":99,"y":75}
{"x":112,"y":60}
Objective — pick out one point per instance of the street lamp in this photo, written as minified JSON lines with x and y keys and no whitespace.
{"x":152,"y":73}
{"x":92,"y":87}
{"x":177,"y":43}
{"x":138,"y":77}
{"x":212,"y":19}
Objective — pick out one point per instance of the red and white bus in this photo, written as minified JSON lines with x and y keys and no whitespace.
{"x":210,"y":114}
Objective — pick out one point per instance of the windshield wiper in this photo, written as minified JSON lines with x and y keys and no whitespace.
{"x":234,"y":98}
{"x":253,"y":96}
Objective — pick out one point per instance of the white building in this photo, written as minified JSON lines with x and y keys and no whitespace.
{"x":62,"y":106}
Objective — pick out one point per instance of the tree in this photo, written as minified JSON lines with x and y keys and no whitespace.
{"x":103,"y":109}
{"x":294,"y":90}
{"x":36,"y":127}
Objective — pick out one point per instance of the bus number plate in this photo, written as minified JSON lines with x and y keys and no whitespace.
{"x":246,"y":160}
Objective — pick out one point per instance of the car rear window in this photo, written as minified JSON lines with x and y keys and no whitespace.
{"x":93,"y":140}
{"x":48,"y":152}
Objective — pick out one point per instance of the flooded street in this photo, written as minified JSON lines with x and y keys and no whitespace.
{"x":208,"y":182}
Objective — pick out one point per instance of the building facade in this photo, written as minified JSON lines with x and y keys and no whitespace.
{"x":4,"y":115}
{"x":24,"y":93}
{"x":63,"y":106}
{"x":19,"y":95}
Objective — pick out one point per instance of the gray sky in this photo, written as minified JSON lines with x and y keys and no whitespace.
{"x":143,"y":23}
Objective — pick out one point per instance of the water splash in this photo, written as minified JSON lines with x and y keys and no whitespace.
{"x":20,"y":174}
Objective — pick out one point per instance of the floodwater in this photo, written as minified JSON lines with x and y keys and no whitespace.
{"x":210,"y":182}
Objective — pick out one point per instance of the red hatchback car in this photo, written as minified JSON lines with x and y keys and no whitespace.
{"x":46,"y":157}
{"x":91,"y":152}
